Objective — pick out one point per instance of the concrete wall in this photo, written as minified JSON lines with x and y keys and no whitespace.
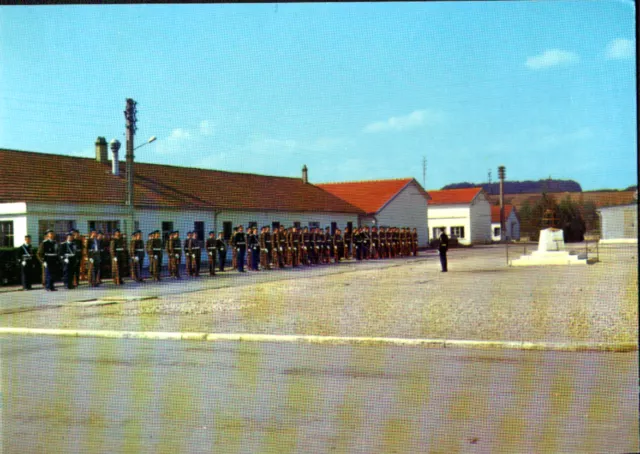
{"x":619,"y":222}
{"x":407,"y":209}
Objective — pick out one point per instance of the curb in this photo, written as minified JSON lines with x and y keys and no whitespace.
{"x":336,"y":340}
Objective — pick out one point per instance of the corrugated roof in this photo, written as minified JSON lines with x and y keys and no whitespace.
{"x":29,"y":176}
{"x":370,"y":196}
{"x":453,"y":196}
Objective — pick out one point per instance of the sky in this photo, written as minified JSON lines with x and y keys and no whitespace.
{"x":355,"y":91}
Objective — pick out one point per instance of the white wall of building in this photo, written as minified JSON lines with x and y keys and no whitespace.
{"x":619,"y":223}
{"x":450,"y":216}
{"x":407,"y":209}
{"x":480,"y":212}
{"x":16,"y":214}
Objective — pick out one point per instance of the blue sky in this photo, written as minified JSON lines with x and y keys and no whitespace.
{"x":354,"y":91}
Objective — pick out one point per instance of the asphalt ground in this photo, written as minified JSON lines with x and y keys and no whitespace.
{"x":80,"y":395}
{"x":480,"y":298}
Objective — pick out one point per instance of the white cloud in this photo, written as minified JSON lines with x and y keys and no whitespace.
{"x":206,"y":128}
{"x":551,"y":57}
{"x":620,"y":49}
{"x":415,"y":119}
{"x":180,"y":140}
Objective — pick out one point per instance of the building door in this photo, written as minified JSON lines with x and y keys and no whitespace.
{"x":167,"y":226}
{"x":6,"y":234}
{"x":275,"y":225}
{"x":350,"y":226}
{"x":334,"y":226}
{"x":198,"y":227}
{"x":227,"y":228}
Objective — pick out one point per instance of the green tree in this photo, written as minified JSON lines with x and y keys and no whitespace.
{"x":571,"y":221}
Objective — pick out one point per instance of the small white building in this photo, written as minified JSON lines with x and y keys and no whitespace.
{"x":387,"y":203}
{"x":464,"y":214}
{"x":619,"y":224}
{"x":43,"y":191}
{"x":511,"y":223}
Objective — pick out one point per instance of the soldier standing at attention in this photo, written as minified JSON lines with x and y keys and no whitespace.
{"x":338,"y":246}
{"x":282,"y":246}
{"x":48,"y":256}
{"x":117,"y":248}
{"x":26,"y":257}
{"x":157,"y":254}
{"x":255,"y":249}
{"x":328,"y":245}
{"x":79,"y":271}
{"x":221,"y":246}
{"x":366,"y":243}
{"x":414,"y":242}
{"x":382,"y":237}
{"x":187,"y":255}
{"x":294,"y":247}
{"x":194,"y":251}
{"x":234,"y":256}
{"x":174,"y":251}
{"x":375,"y":243}
{"x":357,"y":241}
{"x":348,"y":240}
{"x":305,"y":245}
{"x":442,"y":249}
{"x":320,"y":245}
{"x":93,"y":255}
{"x":264,"y":255}
{"x":68,"y":256}
{"x":149,"y":248}
{"x":240,"y":241}
{"x":212,"y":252}
{"x":137,"y":256}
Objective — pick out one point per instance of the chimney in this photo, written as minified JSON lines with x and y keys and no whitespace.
{"x":115,"y":164}
{"x":305,"y":176}
{"x":101,"y":150}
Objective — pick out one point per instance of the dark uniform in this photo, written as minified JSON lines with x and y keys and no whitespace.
{"x":26,"y":256}
{"x":375,"y":243}
{"x":80,"y":260}
{"x":173,"y":249}
{"x":137,"y":256}
{"x":442,"y":249}
{"x":414,"y":242}
{"x":240,"y":241}
{"x":305,"y":245}
{"x":193,"y":250}
{"x":282,"y":247}
{"x":187,"y":254}
{"x":94,"y":256}
{"x":294,"y":245}
{"x":68,"y":256}
{"x":155,"y":256}
{"x":210,"y":245}
{"x":221,"y":246}
{"x":366,"y":244}
{"x":48,"y":256}
{"x":338,"y":246}
{"x":254,"y":247}
{"x":118,"y":251}
{"x":265,"y":248}
{"x":328,"y":245}
{"x":348,"y":242}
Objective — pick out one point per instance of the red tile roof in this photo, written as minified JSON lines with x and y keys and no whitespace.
{"x":370,"y":196}
{"x":41,"y":177}
{"x":495,"y":212}
{"x":453,"y":196}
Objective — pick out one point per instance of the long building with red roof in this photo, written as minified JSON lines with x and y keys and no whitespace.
{"x":397,"y":202}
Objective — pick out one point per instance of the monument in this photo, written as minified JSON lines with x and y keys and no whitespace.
{"x":551,"y":249}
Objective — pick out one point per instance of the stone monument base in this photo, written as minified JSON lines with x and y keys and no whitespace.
{"x":550,"y":252}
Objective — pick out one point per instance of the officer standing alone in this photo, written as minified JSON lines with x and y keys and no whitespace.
{"x":442,"y":248}
{"x":240,"y":241}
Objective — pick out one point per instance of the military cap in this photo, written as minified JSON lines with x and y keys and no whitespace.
{"x":27,"y":236}
{"x":69,"y":233}
{"x":48,"y":231}
{"x":211,"y":232}
{"x":100,"y":232}
{"x":93,"y":230}
{"x":136,"y":232}
{"x":116,"y":231}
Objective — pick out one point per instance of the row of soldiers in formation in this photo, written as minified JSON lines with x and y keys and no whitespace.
{"x":90,"y":257}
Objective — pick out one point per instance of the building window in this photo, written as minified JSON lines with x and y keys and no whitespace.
{"x":334,"y":227}
{"x":275,"y":225}
{"x":296,"y":224}
{"x":496,"y":231}
{"x":59,"y":227}
{"x":6,"y":234}
{"x":253,"y":224}
{"x":104,"y":226}
{"x":314,"y":225}
{"x":198,"y":227}
{"x":457,"y":232}
{"x":136,"y":225}
{"x":227,"y":228}
{"x":437,"y":231}
{"x":167,"y":226}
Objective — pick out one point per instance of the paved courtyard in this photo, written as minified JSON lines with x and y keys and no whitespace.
{"x":480,"y":298}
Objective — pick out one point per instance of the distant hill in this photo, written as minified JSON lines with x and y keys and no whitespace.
{"x":520,"y":187}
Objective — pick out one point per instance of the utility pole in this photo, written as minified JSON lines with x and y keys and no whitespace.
{"x":501,"y":175}
{"x":424,"y":172}
{"x":130,"y":117}
{"x":489,"y":180}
